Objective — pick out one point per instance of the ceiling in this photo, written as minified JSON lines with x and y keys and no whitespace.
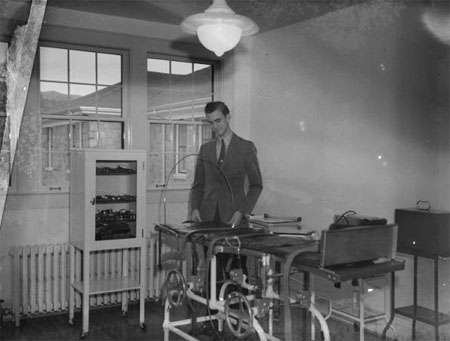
{"x":268,"y":14}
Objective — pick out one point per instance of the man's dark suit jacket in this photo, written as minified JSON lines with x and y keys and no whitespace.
{"x":226,"y":187}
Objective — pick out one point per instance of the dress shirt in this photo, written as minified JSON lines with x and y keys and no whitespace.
{"x":227,"y":140}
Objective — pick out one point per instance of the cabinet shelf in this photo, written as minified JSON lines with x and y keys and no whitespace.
{"x":114,"y":171}
{"x":423,"y":315}
{"x":102,"y":286}
{"x":108,"y":202}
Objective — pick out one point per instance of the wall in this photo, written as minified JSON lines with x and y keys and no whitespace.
{"x":350,"y":111}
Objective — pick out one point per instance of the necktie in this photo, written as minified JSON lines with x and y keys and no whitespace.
{"x":222,"y":153}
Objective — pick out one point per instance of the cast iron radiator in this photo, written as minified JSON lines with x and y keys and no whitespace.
{"x":40,"y":276}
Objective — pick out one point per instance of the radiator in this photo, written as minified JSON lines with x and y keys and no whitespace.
{"x":40,"y":276}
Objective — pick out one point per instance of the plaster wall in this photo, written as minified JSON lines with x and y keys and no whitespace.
{"x":350,"y":111}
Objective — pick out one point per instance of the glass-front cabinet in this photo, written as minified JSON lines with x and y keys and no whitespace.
{"x":107,"y":215}
{"x":107,"y":198}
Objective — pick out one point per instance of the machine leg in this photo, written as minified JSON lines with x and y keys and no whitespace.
{"x":166,"y":320}
{"x":361,"y":309}
{"x":313,"y":320}
{"x":323,"y":323}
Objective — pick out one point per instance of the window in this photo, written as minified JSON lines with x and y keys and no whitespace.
{"x":177,"y":93}
{"x":181,"y":151}
{"x":81,"y":101}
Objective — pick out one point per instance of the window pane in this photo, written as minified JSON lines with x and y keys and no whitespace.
{"x":202,"y":80}
{"x":182,"y":148}
{"x":158,"y":76}
{"x":59,"y":174}
{"x":53,"y":64}
{"x":109,"y":100}
{"x":158,"y":65}
{"x":181,"y":68}
{"x":80,"y":134}
{"x":181,"y":85}
{"x":206,"y":133}
{"x":169,"y":150}
{"x":110,"y":135}
{"x":78,"y":91}
{"x":156,"y":134}
{"x":109,"y":69}
{"x":198,"y":66}
{"x":54,"y":98}
{"x":82,"y":67}
{"x":83,"y":99}
{"x":155,"y":161}
{"x":55,"y":148}
{"x":86,"y":101}
{"x":176,"y":94}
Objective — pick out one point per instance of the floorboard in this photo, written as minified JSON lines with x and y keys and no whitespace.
{"x":110,"y":324}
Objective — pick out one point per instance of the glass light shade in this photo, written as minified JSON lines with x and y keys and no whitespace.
{"x":218,"y":28}
{"x":219,"y":37}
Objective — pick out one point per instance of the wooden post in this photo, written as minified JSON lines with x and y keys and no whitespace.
{"x":19,"y":65}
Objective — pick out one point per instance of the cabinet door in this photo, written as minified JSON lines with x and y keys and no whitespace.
{"x":107,"y":198}
{"x":116,"y":184}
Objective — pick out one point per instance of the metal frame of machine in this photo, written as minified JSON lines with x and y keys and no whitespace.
{"x":278,"y":258}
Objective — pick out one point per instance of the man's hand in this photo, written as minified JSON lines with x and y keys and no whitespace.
{"x":235,"y":219}
{"x":195,"y":216}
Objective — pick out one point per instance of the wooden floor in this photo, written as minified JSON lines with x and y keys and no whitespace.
{"x":110,"y":324}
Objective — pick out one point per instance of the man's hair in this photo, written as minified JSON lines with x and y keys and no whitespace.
{"x":220,"y":106}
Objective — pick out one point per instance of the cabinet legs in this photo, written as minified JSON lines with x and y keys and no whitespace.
{"x":436,"y":299}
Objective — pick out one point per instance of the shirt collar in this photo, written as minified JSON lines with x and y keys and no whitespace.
{"x":225,"y":139}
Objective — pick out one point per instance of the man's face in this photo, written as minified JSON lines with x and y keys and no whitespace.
{"x":220,"y":124}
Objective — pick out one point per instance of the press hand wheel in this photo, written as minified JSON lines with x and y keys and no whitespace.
{"x":175,"y":288}
{"x":239,"y":315}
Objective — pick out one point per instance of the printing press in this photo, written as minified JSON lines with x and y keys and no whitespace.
{"x":275,"y":279}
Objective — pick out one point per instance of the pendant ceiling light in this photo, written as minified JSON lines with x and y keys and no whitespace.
{"x":218,"y":28}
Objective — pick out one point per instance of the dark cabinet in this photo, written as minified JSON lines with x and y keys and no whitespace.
{"x":424,"y":233}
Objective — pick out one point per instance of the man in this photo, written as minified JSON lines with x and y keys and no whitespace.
{"x":227,"y":181}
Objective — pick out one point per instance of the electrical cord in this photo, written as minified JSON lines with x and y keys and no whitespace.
{"x":344,"y":216}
